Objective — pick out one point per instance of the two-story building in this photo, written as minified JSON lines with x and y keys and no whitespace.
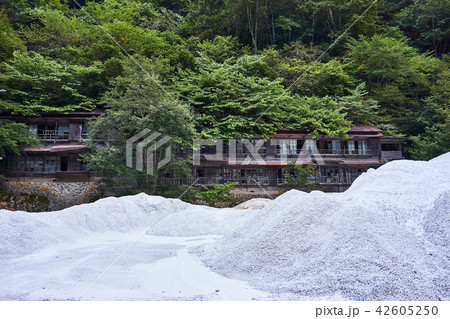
{"x":61,"y":136}
{"x":340,"y":162}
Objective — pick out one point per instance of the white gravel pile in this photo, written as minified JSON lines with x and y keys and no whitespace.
{"x":386,"y":238}
{"x":22,"y":233}
{"x":254,"y":204}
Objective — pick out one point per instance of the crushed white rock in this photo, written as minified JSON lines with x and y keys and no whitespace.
{"x":386,"y":238}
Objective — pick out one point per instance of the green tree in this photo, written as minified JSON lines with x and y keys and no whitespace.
{"x":434,"y":119}
{"x":227,"y":103}
{"x":245,"y":98}
{"x":319,"y":79}
{"x":221,"y":48}
{"x":434,"y":141}
{"x":318,"y":116}
{"x":358,"y":108}
{"x":219,"y":195}
{"x":36,"y":84}
{"x":9,"y":40}
{"x":323,"y":21}
{"x":13,"y":136}
{"x":301,"y":177}
{"x":135,"y":102}
{"x":427,"y":22}
{"x":397,"y":76}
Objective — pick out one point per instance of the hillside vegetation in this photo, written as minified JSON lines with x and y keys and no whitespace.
{"x":227,"y":68}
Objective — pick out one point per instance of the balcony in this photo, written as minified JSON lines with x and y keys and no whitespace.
{"x":357,"y":152}
{"x":53,"y":135}
{"x":254,"y":181}
{"x":264,"y":151}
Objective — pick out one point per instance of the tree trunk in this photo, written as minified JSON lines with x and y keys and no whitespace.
{"x":273,"y":30}
{"x":253,"y":26}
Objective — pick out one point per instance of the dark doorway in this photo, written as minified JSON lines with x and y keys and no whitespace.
{"x":64,"y":163}
{"x":200,"y":173}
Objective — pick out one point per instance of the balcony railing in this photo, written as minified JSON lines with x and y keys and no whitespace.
{"x":53,"y":135}
{"x":263,"y":152}
{"x":344,"y":151}
{"x":56,"y":135}
{"x":252,"y":181}
{"x":329,"y":152}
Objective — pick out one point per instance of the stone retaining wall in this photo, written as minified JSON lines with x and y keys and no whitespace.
{"x":60,"y":194}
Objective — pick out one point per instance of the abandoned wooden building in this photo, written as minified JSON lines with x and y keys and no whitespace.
{"x":58,"y":157}
{"x":340,"y":161}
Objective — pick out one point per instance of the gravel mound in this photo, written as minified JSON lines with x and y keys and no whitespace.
{"x":386,"y":238}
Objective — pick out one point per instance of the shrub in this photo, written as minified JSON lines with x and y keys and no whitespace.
{"x":218,"y":196}
{"x":299,"y":176}
{"x":184,"y":192}
{"x":24,"y":201}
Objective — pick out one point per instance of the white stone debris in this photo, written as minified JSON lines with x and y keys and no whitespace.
{"x":385,"y":238}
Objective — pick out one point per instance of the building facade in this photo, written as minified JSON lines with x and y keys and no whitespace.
{"x":340,"y":162}
{"x":251,"y":162}
{"x":58,"y":157}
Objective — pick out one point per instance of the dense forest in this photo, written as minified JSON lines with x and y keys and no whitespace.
{"x":228,"y":68}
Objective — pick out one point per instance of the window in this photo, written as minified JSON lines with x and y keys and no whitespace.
{"x":239,"y":147}
{"x":283,"y":147}
{"x":50,"y":132}
{"x":332,"y":175}
{"x":62,"y":132}
{"x":390,"y":147}
{"x":51,"y":164}
{"x":363,"y":149}
{"x":20,"y":166}
{"x":256,"y":176}
{"x":32,"y":128}
{"x":336,"y":147}
{"x":218,"y":179}
{"x":37,"y":164}
{"x":309,"y":146}
{"x":358,"y":147}
{"x":353,"y":173}
{"x":84,"y":132}
{"x":292,"y":147}
{"x":351,"y":147}
{"x":33,"y":164}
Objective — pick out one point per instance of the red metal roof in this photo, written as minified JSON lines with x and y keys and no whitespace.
{"x":57,"y":148}
{"x":361,"y":163}
{"x":284,"y":163}
{"x":33,"y":149}
{"x":286,"y":135}
{"x":364,"y":128}
{"x":365,"y":135}
{"x":393,"y":137}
